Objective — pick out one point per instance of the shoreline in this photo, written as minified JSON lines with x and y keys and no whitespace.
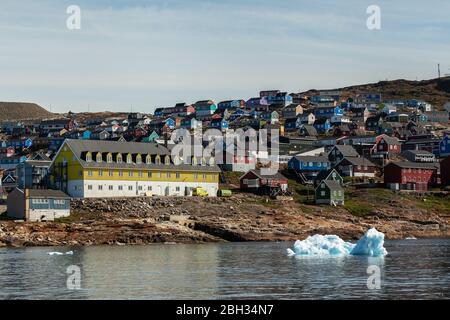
{"x":240,"y":218}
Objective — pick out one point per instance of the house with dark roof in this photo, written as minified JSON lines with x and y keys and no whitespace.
{"x":339,"y":152}
{"x":309,"y":166}
{"x":356,"y":167}
{"x":307,"y":130}
{"x":96,"y":168}
{"x":38,"y":204}
{"x":257,"y":182}
{"x":322,"y":125}
{"x":386,"y":147}
{"x":419,"y":156}
{"x":329,"y":192}
{"x":415,"y":176}
{"x":292,"y":124}
{"x":331,"y":174}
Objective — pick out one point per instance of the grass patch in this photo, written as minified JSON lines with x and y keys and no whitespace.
{"x":357,"y":208}
{"x":433,"y":203}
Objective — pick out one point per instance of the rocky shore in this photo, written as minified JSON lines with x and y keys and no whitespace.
{"x":242,"y":217}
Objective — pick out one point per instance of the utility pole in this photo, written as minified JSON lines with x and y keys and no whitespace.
{"x":439,"y":71}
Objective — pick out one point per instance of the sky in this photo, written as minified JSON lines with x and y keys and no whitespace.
{"x":138,"y":55}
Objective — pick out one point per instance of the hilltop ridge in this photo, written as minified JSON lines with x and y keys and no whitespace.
{"x":23,"y":111}
{"x":435,"y":91}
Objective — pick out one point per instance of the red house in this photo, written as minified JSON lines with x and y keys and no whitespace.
{"x":410,"y":175}
{"x":445,"y":172}
{"x":255,"y":181}
{"x":386,"y":146}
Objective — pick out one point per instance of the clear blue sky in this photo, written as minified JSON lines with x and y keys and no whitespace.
{"x":156,"y":53}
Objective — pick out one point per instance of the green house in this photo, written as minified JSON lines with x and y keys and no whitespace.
{"x":329,"y":192}
{"x":151,"y":138}
{"x":329,"y":175}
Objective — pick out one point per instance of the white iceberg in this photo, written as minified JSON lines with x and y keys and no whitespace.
{"x":371,"y":244}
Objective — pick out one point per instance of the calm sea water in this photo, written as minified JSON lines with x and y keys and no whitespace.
{"x":414,"y":269}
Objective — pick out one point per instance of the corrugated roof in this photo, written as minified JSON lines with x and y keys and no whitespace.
{"x":415,"y":165}
{"x":332,"y":184}
{"x":356,"y":161}
{"x":347,"y":150}
{"x":78,"y":146}
{"x":277,"y":175}
{"x":312,"y":158}
{"x":47,"y":193}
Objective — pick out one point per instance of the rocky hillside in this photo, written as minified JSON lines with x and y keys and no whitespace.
{"x":434,"y":91}
{"x":22,"y":111}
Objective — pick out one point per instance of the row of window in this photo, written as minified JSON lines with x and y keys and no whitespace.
{"x":148,"y":159}
{"x":46,"y":201}
{"x":121,"y":188}
{"x":140,"y":174}
{"x":335,"y":193}
{"x":315,"y":164}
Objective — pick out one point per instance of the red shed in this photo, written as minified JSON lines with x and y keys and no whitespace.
{"x":255,"y":181}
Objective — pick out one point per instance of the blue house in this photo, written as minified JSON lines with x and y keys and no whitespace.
{"x":55,"y":143}
{"x":238,"y":113}
{"x":292,"y":124}
{"x":309,"y":166}
{"x":170,"y":123}
{"x":86,"y":135}
{"x":275,"y":97}
{"x":328,"y":112}
{"x":158,"y":112}
{"x":190,"y":123}
{"x":219,"y":124}
{"x":322,"y":125}
{"x":230,"y":104}
{"x":444,"y":147}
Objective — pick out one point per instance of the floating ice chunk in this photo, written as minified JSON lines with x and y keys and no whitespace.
{"x":411,"y":238}
{"x":371,"y":244}
{"x":56,"y":253}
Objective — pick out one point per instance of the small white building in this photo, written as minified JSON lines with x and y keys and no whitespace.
{"x":38,"y":204}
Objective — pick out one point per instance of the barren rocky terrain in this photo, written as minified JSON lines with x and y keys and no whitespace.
{"x":242,"y":217}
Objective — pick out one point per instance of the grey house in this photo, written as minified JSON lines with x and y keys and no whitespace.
{"x":38,"y":204}
{"x":33,"y":174}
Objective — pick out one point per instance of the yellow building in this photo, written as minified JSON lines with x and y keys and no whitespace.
{"x":94,"y":169}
